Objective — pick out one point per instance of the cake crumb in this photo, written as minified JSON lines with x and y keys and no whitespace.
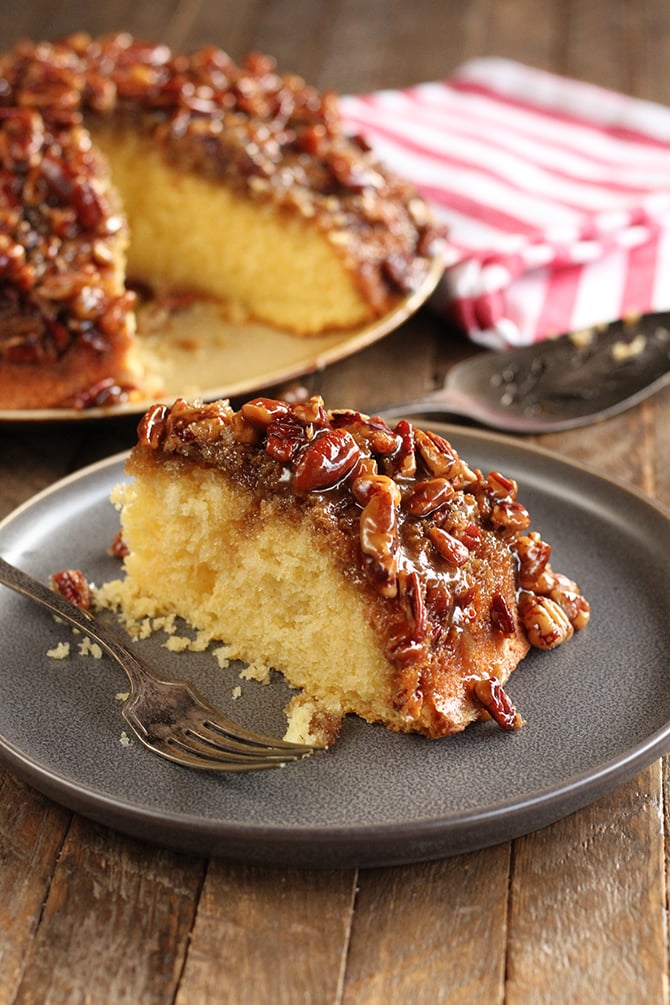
{"x":145,"y":629}
{"x":312,"y":722}
{"x":584,"y":338}
{"x":89,"y":648}
{"x":177,"y":643}
{"x":201,"y":642}
{"x":124,"y":739}
{"x":622,"y":351}
{"x":223,"y":655}
{"x":60,"y":651}
{"x":122,"y":695}
{"x":256,"y":671}
{"x":166,"y":623}
{"x":237,"y":692}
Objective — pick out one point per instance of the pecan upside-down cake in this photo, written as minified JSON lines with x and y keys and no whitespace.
{"x":369,"y":564}
{"x":190,"y":176}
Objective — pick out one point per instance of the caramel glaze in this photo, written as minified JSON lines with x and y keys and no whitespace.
{"x":443,"y":551}
{"x":272,"y":137}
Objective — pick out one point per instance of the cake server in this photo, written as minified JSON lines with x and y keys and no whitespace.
{"x":169,"y":717}
{"x":557,"y":384}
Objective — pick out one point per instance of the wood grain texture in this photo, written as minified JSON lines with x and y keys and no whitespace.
{"x":269,"y":935}
{"x":432,"y":934}
{"x":586,"y":921}
{"x":32,"y":831}
{"x":115,"y":924}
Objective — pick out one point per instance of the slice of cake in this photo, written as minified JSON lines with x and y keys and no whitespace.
{"x":368,"y":564}
{"x":230,"y":183}
{"x":66,"y":318}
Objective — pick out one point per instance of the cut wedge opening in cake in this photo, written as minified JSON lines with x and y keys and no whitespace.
{"x":229,"y":183}
{"x":192,"y":234}
{"x":368,"y":564}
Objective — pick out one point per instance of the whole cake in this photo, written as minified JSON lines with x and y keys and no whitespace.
{"x":124,"y":166}
{"x":370,"y":565}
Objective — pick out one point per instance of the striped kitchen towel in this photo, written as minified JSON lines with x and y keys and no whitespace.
{"x":556,"y":195}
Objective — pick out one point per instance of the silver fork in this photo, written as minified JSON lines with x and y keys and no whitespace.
{"x":170,"y":717}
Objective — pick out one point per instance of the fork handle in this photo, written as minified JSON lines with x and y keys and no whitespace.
{"x":21,"y":582}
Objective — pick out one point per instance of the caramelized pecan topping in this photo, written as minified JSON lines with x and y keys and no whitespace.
{"x":59,"y":222}
{"x":325,"y":461}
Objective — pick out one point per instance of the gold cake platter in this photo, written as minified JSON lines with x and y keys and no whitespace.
{"x":196,"y":352}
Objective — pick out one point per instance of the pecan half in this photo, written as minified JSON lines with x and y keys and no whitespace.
{"x":74,"y":586}
{"x":325,"y":461}
{"x":285,"y":435}
{"x":379,"y":541}
{"x":508,"y":514}
{"x":404,"y":461}
{"x":448,"y":546}
{"x":533,"y":555}
{"x":260,"y":412}
{"x":501,"y":615}
{"x":546,"y":623}
{"x":490,"y":694}
{"x":437,"y":454}
{"x":426,"y":497}
{"x":566,"y":594}
{"x":411,"y":596}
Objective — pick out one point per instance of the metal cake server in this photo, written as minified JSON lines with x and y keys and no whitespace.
{"x":556,"y":384}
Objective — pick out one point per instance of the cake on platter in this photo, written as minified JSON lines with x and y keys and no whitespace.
{"x":128,"y":169}
{"x":367,"y":563}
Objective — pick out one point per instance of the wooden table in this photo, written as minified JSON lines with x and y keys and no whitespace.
{"x":573,"y":913}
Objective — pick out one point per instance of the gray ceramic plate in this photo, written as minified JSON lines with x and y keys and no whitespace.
{"x":597,"y":709}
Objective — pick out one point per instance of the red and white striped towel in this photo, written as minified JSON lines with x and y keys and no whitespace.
{"x":556,"y":194}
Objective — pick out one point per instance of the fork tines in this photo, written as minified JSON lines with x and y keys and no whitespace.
{"x":216,"y":745}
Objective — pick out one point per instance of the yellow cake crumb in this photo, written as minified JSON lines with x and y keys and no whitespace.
{"x":256,"y":671}
{"x":89,"y":648}
{"x":622,"y":351}
{"x":312,"y":721}
{"x":308,"y":292}
{"x":178,"y":643}
{"x":60,"y":651}
{"x":222,"y":654}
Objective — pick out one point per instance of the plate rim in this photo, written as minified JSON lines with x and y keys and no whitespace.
{"x":346,"y":845}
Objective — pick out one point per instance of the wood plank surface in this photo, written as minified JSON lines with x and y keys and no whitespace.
{"x":433,"y":932}
{"x":575,"y":913}
{"x":32,"y":831}
{"x":265,"y":934}
{"x":586,"y":904}
{"x":115,"y":924}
